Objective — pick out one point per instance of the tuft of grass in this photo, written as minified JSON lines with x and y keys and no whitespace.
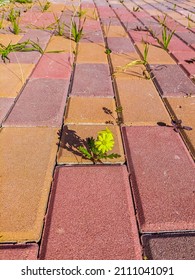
{"x":1,"y":20}
{"x":136,"y":9}
{"x":162,"y":21}
{"x":108,"y":51}
{"x":189,"y":17}
{"x":23,"y":1}
{"x":19,"y":47}
{"x":60,"y":26}
{"x":44,"y":6}
{"x":166,"y":37}
{"x":76,"y":31}
{"x":14,"y":18}
{"x":81,"y":13}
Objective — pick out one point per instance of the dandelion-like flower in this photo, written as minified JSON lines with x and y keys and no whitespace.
{"x":105,"y":141}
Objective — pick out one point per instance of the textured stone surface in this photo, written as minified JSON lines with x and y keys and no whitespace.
{"x":41,"y":103}
{"x":24,"y":191}
{"x":25,"y":57}
{"x":172,"y":81}
{"x":6,"y":39}
{"x":41,"y":37}
{"x":53,"y":66}
{"x":74,"y":136}
{"x":121,"y":59}
{"x":184,"y":109}
{"x":13,"y":77}
{"x":91,"y":215}
{"x":169,"y":247}
{"x":19,"y":252}
{"x":79,"y":110}
{"x":120,"y":45}
{"x":5,"y":105}
{"x":136,"y":94}
{"x":115,"y":31}
{"x":91,"y":53}
{"x":92,"y":80}
{"x":162,"y":177}
{"x":59,"y":43}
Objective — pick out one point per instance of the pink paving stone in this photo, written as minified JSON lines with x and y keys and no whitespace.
{"x":47,"y":19}
{"x":172,"y":81}
{"x":177,"y":45}
{"x":5,"y":105}
{"x":91,"y":25}
{"x":92,"y":80}
{"x":92,"y":37}
{"x":182,"y":56}
{"x":19,"y":252}
{"x":30,"y":17}
{"x":106,"y":12}
{"x":140,"y":36}
{"x":120,"y":45}
{"x":53,"y":66}
{"x":91,"y":215}
{"x":169,"y":246}
{"x":189,"y":68}
{"x":25,"y":57}
{"x":38,"y":36}
{"x":162,"y":177}
{"x":41,"y":103}
{"x":187,"y":36}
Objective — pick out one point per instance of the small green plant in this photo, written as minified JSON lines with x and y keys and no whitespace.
{"x":44,"y":6}
{"x":174,"y":7}
{"x":1,"y":21}
{"x":60,"y":26}
{"x":19,"y":47}
{"x":76,"y":32}
{"x":14,"y":18}
{"x":98,"y":148}
{"x":81,"y":12}
{"x":15,"y":26}
{"x":189,"y":17}
{"x":163,"y":20}
{"x":166,"y":37}
{"x":13,"y":15}
{"x":108,"y":51}
{"x":136,"y":9}
{"x":23,"y":1}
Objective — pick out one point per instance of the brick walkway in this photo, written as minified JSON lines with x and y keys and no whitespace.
{"x":56,"y":204}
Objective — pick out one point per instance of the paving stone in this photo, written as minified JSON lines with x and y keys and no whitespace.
{"x":143,"y":36}
{"x":135,"y":94}
{"x":13,"y":78}
{"x":19,"y":252}
{"x":24,"y":191}
{"x":89,"y":219}
{"x":78,"y":110}
{"x":56,"y":7}
{"x":59,"y":43}
{"x":6,"y":39}
{"x":169,"y":246}
{"x":190,"y":69}
{"x":172,"y":81}
{"x":177,"y":45}
{"x":115,"y":31}
{"x":74,"y":136}
{"x":182,"y":56}
{"x":92,"y":37}
{"x":5,"y":105}
{"x":30,"y":18}
{"x":41,"y":37}
{"x":106,"y":12}
{"x":47,"y":19}
{"x":121,"y":59}
{"x":184,"y":109}
{"x":188,"y":37}
{"x":41,"y":103}
{"x":92,"y":80}
{"x":91,"y":53}
{"x":156,"y":55}
{"x":91,"y":25}
{"x":162,"y":170}
{"x":53,"y":66}
{"x":25,"y":57}
{"x":120,"y":45}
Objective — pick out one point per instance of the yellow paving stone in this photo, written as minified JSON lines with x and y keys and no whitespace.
{"x":12,"y":78}
{"x":59,"y":43}
{"x":91,"y":13}
{"x":121,"y":59}
{"x":186,"y":22}
{"x":90,"y":110}
{"x":131,"y":73}
{"x":183,"y":108}
{"x":141,"y":103}
{"x":54,"y":7}
{"x":74,"y":135}
{"x":6,"y":39}
{"x":174,"y":15}
{"x":27,"y":159}
{"x":115,"y":31}
{"x":91,"y":53}
{"x":156,"y":55}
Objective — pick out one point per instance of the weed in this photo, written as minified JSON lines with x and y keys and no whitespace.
{"x":189,"y":17}
{"x":118,"y":110}
{"x":14,"y":17}
{"x":136,"y":9}
{"x":59,"y":26}
{"x":44,"y":6}
{"x":97,"y":149}
{"x":174,"y":7}
{"x":1,"y":21}
{"x":108,"y":51}
{"x":166,"y":37}
{"x":81,"y":12}
{"x":76,"y":32}
{"x":23,"y":1}
{"x":162,"y":21}
{"x":19,"y":47}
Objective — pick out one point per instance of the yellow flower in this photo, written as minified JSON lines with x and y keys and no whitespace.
{"x":105,"y":141}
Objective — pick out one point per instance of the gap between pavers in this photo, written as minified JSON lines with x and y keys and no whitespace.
{"x":27,"y":165}
{"x":162,"y":178}
{"x":90,"y":215}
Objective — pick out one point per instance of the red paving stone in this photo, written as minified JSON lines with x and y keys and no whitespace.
{"x":120,"y":45}
{"x":91,"y":215}
{"x":53,"y":66}
{"x":162,"y":175}
{"x":19,"y":252}
{"x":92,"y":80}
{"x":41,"y":103}
{"x":169,"y":247}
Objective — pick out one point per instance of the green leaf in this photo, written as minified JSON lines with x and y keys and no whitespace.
{"x":84,"y":152}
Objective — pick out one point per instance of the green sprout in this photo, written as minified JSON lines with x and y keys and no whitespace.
{"x":108,"y":51}
{"x":136,"y":9}
{"x":189,"y":17}
{"x":166,"y":37}
{"x":19,"y":47}
{"x":98,"y":148}
{"x":14,"y":17}
{"x":44,"y":6}
{"x":76,"y":32}
{"x":1,"y":21}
